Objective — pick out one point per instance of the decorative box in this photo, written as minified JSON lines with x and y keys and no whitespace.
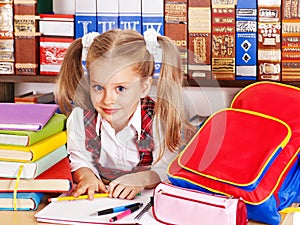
{"x":52,"y":52}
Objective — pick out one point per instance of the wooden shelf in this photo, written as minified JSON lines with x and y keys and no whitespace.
{"x":229,"y":83}
{"x":28,"y":79}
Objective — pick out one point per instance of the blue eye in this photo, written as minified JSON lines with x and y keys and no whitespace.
{"x":98,"y":87}
{"x":121,"y":89}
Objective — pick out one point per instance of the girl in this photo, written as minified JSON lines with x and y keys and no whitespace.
{"x":119,"y":140}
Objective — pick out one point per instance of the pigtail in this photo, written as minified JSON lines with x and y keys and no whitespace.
{"x":72,"y":88}
{"x":169,"y":107}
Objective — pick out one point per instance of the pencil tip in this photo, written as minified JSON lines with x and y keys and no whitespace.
{"x":93,"y":214}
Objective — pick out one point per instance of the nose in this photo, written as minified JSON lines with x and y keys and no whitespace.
{"x":109,"y":97}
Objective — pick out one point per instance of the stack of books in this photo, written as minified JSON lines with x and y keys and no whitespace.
{"x":33,"y":155}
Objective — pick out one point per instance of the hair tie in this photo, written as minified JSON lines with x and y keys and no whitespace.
{"x":153,"y":47}
{"x":86,"y":41}
{"x":150,"y":37}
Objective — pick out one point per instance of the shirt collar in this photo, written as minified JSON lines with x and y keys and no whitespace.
{"x":135,"y":121}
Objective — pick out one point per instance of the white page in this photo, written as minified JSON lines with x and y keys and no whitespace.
{"x":78,"y":211}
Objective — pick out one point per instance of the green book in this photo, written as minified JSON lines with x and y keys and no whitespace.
{"x":27,"y":138}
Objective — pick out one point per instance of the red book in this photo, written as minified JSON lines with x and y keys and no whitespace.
{"x":56,"y":179}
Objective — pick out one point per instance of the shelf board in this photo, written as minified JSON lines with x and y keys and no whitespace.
{"x":28,"y":79}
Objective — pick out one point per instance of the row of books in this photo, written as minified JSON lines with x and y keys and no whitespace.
{"x":225,"y":40}
{"x":33,"y":155}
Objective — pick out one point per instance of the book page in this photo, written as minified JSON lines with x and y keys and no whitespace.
{"x":78,"y":211}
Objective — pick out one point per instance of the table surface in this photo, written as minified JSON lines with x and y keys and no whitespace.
{"x":27,"y":217}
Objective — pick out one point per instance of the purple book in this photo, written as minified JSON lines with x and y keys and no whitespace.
{"x":15,"y":116}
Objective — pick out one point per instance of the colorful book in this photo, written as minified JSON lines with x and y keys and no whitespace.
{"x":33,"y":152}
{"x":33,"y":169}
{"x":57,"y":178}
{"x":24,"y":201}
{"x":27,"y":138}
{"x":25,"y":116}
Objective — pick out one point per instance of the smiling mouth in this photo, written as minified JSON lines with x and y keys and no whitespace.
{"x":109,"y":111}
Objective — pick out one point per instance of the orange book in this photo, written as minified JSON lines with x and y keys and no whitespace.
{"x":57,"y":178}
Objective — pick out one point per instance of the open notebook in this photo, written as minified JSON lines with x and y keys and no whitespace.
{"x":78,"y":211}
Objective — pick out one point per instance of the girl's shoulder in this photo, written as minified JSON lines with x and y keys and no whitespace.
{"x":77,"y":113}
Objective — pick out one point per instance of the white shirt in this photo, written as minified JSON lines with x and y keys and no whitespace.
{"x":117,"y":150}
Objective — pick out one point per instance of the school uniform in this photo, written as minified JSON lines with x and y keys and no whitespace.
{"x":118,"y":150}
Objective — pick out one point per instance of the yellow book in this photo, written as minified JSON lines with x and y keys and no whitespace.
{"x":33,"y":152}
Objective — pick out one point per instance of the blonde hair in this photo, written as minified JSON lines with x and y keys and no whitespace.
{"x":129,"y":45}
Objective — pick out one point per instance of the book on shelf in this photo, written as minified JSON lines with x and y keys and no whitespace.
{"x":130,"y":15}
{"x":24,"y":201}
{"x":290,"y":46}
{"x":85,"y":17}
{"x":269,"y":40}
{"x":56,"y":124}
{"x":199,"y":39}
{"x":246,"y":39}
{"x":223,"y":40}
{"x":34,"y":117}
{"x":175,"y":24}
{"x":33,"y":152}
{"x":26,"y":37}
{"x":31,"y":170}
{"x":107,"y":15}
{"x":57,"y":179}
{"x":31,"y":97}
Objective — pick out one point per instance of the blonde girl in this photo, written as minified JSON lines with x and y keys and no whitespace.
{"x":120,"y":140}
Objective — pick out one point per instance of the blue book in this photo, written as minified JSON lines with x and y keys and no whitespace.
{"x":130,"y":17}
{"x":85,"y":17}
{"x":246,"y":40}
{"x":153,"y":15}
{"x":24,"y":202}
{"x":107,"y":15}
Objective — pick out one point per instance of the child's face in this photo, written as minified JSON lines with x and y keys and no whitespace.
{"x":115,"y":95}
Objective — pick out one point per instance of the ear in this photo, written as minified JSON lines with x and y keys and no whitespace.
{"x":146,"y":85}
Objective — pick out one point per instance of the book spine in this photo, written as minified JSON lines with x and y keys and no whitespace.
{"x":52,"y":52}
{"x":223,"y":40}
{"x":107,"y":15}
{"x":269,"y":40}
{"x":175,"y":24}
{"x":56,"y":25}
{"x":130,"y":15}
{"x":290,"y":40}
{"x":85,"y":17}
{"x":199,"y":39}
{"x":6,"y":39}
{"x":153,"y":15}
{"x":246,"y":39}
{"x":26,"y":40}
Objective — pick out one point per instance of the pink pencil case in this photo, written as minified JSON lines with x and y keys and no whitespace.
{"x":182,"y":206}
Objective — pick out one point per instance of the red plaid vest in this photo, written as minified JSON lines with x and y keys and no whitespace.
{"x":145,"y":145}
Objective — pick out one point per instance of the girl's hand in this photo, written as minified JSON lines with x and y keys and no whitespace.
{"x":129,"y":185}
{"x":87,"y":183}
